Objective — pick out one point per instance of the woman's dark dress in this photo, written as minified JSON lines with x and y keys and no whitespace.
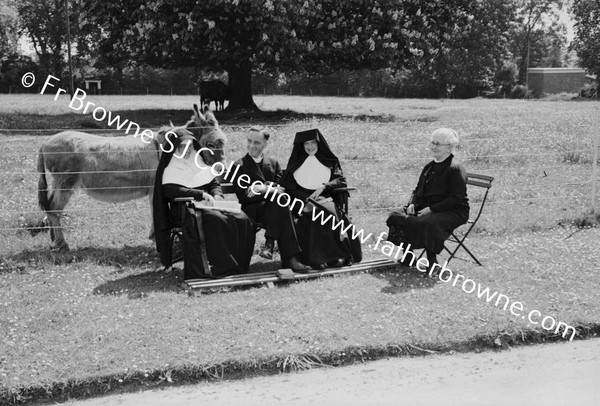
{"x":229,"y":237}
{"x":443,"y":188}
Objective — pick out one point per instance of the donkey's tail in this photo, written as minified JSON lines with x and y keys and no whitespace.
{"x":43,"y":200}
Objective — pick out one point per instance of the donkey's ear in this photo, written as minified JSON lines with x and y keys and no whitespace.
{"x":210,"y":118}
{"x":196,"y":110}
{"x":198,"y":117}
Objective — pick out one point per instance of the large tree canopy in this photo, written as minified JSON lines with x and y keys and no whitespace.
{"x":241,"y":36}
{"x":449,"y":42}
{"x":587,"y":31}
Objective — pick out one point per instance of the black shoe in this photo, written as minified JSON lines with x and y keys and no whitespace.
{"x":267,"y":251}
{"x":297,"y":266}
{"x":336,"y":264}
{"x":319,"y":267}
{"x":348,"y":262}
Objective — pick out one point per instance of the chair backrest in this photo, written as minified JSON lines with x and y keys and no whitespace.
{"x":479,"y":180}
{"x":484,"y":181}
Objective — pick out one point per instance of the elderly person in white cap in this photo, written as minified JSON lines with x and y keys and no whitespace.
{"x":438,"y":204}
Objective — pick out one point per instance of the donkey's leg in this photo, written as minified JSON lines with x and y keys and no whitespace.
{"x":151,"y":196}
{"x":62,"y":190}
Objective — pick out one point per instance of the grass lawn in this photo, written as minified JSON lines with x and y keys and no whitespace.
{"x":77,"y":323}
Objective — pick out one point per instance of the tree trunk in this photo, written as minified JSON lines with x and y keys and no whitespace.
{"x":240,"y":87}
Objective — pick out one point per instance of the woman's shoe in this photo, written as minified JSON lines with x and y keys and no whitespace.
{"x":319,"y":267}
{"x":336,"y":264}
{"x":348,"y":262}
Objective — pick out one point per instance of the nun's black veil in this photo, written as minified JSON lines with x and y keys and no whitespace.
{"x":160,"y":204}
{"x":299,"y":155}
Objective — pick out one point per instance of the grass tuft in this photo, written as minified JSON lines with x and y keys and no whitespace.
{"x":299,"y":362}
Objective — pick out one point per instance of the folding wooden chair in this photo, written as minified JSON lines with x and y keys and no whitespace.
{"x":476,"y":180}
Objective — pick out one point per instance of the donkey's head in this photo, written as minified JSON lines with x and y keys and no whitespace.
{"x":206,"y":130}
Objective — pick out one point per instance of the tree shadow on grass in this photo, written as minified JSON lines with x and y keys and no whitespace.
{"x":153,"y":118}
{"x":127,"y":256}
{"x":156,"y":118}
{"x":404,"y":280}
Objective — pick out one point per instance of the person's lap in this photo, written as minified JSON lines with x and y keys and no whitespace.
{"x":428,"y":231}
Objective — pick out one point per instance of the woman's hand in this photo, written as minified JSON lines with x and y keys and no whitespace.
{"x":317,"y":192}
{"x":410,"y":210}
{"x":425,"y":211}
{"x":208,"y":199}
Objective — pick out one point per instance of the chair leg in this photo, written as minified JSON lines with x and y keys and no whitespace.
{"x":470,"y":253}
{"x":460,"y":243}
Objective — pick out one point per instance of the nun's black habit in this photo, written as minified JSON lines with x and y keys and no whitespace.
{"x":229,"y":237}
{"x":320,"y":244}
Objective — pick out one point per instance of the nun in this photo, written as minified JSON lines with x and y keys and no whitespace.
{"x":182,"y":172}
{"x":313,"y":171}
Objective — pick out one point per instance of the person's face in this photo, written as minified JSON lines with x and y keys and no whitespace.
{"x":440,"y":147}
{"x":311,"y":147}
{"x":185,"y":149}
{"x":256,"y":144}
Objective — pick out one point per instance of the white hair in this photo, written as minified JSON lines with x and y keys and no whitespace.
{"x":449,"y":135}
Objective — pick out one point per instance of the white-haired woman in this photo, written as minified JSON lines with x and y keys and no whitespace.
{"x":438,"y":204}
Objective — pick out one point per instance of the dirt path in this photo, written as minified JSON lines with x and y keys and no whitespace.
{"x":550,"y":374}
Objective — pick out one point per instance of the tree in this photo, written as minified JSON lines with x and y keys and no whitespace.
{"x":535,"y":18}
{"x":465,"y":47}
{"x":8,"y":27}
{"x":587,"y":34}
{"x":44,"y":23}
{"x":243,"y":36}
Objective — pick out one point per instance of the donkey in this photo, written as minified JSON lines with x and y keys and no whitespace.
{"x":111,"y":169}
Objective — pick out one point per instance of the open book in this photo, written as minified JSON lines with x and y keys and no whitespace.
{"x":222,"y":205}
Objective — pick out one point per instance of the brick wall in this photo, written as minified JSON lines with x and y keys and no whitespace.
{"x":555,"y":80}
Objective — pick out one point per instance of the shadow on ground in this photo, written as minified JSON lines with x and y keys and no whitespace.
{"x":404,"y":280}
{"x":49,"y":124}
{"x":140,"y":285}
{"x":127,"y":256}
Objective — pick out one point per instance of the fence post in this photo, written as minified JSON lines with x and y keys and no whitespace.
{"x":595,"y":170}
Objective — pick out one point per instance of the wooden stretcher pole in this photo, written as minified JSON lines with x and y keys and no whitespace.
{"x":203,"y":254}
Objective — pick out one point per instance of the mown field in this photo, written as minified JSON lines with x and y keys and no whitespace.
{"x":106,"y":310}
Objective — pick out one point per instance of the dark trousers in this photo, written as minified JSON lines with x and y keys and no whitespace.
{"x":278,"y":224}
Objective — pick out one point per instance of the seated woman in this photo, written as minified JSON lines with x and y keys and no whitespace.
{"x":438,"y":204}
{"x":314,"y":171}
{"x":229,"y":236}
